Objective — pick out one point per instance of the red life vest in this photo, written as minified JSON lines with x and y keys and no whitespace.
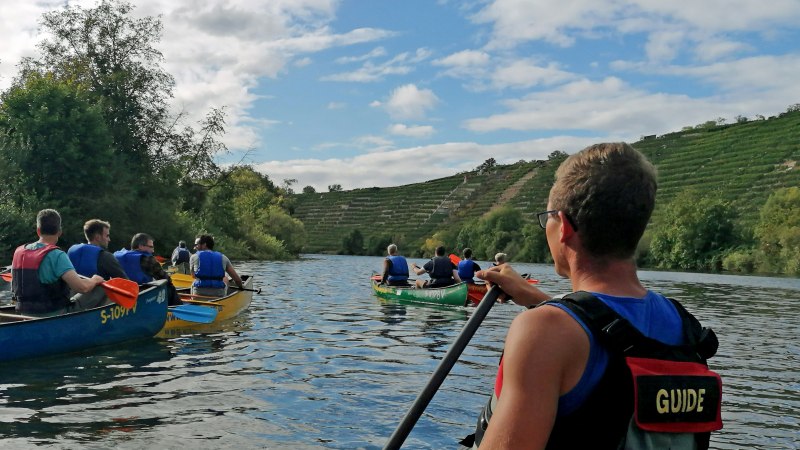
{"x":30,"y":294}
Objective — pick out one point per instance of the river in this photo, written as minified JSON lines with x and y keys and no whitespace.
{"x":319,"y":362}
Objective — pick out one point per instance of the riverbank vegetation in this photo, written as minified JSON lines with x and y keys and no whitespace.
{"x":86,"y":128}
{"x":727,"y":200}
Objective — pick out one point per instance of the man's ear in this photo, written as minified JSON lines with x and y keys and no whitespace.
{"x":566,"y":229}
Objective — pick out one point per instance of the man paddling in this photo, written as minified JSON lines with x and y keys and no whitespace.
{"x":395,"y":268}
{"x":142,"y":267}
{"x":564,"y":380}
{"x":209,"y":268}
{"x":441,"y":270}
{"x":93,"y":258}
{"x":42,"y":274}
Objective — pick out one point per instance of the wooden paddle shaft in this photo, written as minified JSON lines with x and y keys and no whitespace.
{"x":18,"y":316}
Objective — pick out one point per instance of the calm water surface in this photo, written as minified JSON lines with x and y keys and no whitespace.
{"x":319,"y":362}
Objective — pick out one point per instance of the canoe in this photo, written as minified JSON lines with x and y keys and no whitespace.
{"x":228,"y":307}
{"x":478,"y":290}
{"x":180,"y":280}
{"x":29,"y":337}
{"x":455,"y":295}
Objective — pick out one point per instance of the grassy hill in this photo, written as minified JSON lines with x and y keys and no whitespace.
{"x":743,"y":162}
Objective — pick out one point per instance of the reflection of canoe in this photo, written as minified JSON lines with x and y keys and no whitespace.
{"x":451,"y":295}
{"x":229,"y":306}
{"x":478,"y":290}
{"x":22,"y":337}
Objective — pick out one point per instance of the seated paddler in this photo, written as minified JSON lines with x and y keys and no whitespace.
{"x":142,"y":266}
{"x":441,"y":270}
{"x":395,"y":268}
{"x":209,"y":268}
{"x":43,"y":275}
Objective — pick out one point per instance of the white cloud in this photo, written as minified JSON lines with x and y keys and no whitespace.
{"x":375,"y":53}
{"x":524,"y":73}
{"x":417,"y":131}
{"x":302,"y":62}
{"x":668,"y":26}
{"x":610,"y":104}
{"x":337,"y":105}
{"x":370,"y":72}
{"x":464,"y":58}
{"x":410,"y":102}
{"x":413,"y":165}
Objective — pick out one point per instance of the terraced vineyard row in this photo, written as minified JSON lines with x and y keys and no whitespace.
{"x":744,"y":163}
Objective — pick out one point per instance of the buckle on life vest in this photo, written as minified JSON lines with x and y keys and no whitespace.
{"x":621,"y":334}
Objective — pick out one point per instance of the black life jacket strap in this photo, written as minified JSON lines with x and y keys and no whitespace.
{"x":620,"y":335}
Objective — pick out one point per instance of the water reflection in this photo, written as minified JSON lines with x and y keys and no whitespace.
{"x":319,"y":362}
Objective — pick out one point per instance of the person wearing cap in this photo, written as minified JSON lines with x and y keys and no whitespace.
{"x":180,"y":258}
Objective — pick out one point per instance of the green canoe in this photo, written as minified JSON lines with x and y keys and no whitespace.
{"x":455,"y":295}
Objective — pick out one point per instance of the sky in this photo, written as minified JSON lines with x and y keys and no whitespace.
{"x":385,"y":93}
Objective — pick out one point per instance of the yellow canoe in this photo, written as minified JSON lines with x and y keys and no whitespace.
{"x":228,"y":307}
{"x":180,"y":280}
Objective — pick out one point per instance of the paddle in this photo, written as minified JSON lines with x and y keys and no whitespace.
{"x":404,"y":428}
{"x":194,"y":313}
{"x":121,"y":291}
{"x":6,"y":276}
{"x":202,"y":302}
{"x":454,"y":258}
{"x":257,"y":291}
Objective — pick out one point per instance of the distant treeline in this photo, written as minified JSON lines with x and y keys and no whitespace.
{"x":85,"y":128}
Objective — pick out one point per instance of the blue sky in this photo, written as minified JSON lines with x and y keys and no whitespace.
{"x":382,"y":93}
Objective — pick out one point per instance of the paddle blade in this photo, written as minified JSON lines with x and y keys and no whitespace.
{"x":6,"y":276}
{"x":121,"y":291}
{"x":160,"y":259}
{"x":454,"y":258}
{"x":194,"y":313}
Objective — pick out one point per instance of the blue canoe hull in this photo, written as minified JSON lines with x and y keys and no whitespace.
{"x":82,"y":330}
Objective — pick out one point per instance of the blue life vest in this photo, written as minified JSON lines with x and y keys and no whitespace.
{"x":84,"y":258}
{"x":466,"y":270}
{"x":209,"y":273}
{"x":399,"y":269}
{"x":181,"y":255}
{"x":31,"y":295}
{"x":131,"y":262}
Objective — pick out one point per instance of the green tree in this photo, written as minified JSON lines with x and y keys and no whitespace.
{"x":353,"y":244}
{"x":534,"y":247}
{"x":309,"y":190}
{"x":778,"y":232}
{"x":694,"y":233}
{"x":57,"y":150}
{"x":115,"y":57}
{"x":334,"y":188}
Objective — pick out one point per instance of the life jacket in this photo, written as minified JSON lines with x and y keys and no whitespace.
{"x":84,"y":258}
{"x":466,"y":270}
{"x":399,"y":269}
{"x":209,"y":273}
{"x":182,"y":256}
{"x":651,"y":396}
{"x":131,"y":262}
{"x":30,"y":294}
{"x":442,"y":273}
